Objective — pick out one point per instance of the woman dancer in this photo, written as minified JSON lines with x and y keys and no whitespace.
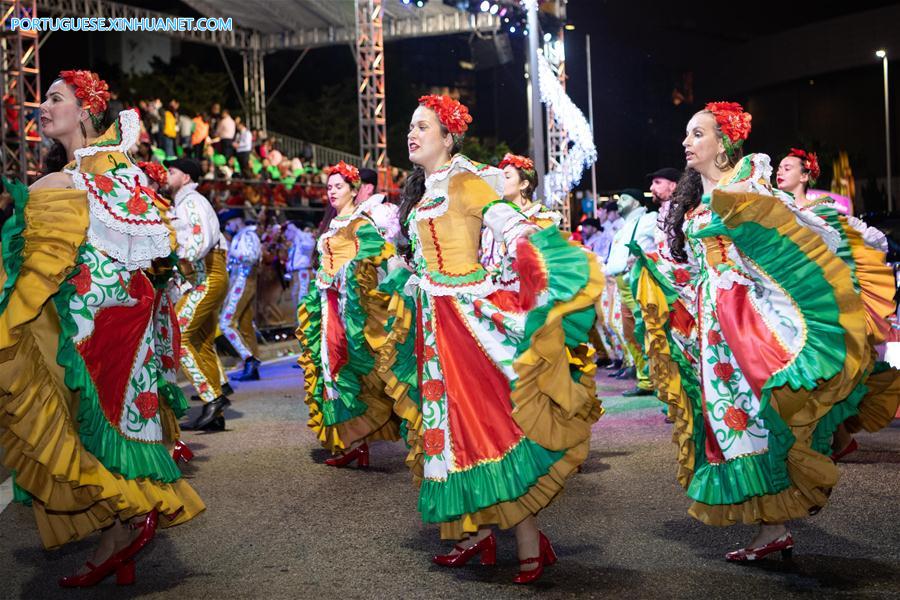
{"x":341,"y":327}
{"x":89,"y":343}
{"x":519,"y":184}
{"x":506,"y":380}
{"x":872,"y":406}
{"x":781,"y":339}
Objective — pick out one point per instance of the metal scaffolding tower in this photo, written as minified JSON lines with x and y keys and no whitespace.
{"x":370,"y":79}
{"x":20,"y":83}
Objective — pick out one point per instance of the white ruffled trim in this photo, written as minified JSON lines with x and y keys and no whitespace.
{"x":437,"y":185}
{"x":540,"y":211}
{"x":134,"y":245}
{"x":130,"y":126}
{"x":481,"y":289}
{"x":731,"y":277}
{"x":383,"y":214}
{"x":892,"y":354}
{"x":872,"y":236}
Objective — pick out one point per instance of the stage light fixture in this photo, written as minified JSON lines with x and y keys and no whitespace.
{"x":547,"y":37}
{"x":881,"y":53}
{"x":485,"y":6}
{"x":421,"y":3}
{"x":406,"y":2}
{"x":512,"y":28}
{"x":570,"y":27}
{"x":494,"y":9}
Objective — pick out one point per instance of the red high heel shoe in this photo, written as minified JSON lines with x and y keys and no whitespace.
{"x":546,"y":558}
{"x":360,"y":454}
{"x":850,"y":448}
{"x":784,"y":544}
{"x":121,"y":563}
{"x":148,"y":532}
{"x":182,"y":451}
{"x":487,"y":548}
{"x":124,"y":573}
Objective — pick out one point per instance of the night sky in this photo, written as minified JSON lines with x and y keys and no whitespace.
{"x":642,"y":51}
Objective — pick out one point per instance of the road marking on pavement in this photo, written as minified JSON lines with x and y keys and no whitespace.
{"x":6,"y":493}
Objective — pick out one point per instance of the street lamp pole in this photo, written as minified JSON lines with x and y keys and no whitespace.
{"x":882,"y":54}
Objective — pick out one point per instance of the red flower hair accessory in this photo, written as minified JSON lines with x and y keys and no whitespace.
{"x":155,"y":171}
{"x":810,"y":162}
{"x":453,"y":114}
{"x":734,"y":123}
{"x":90,"y":89}
{"x":519,"y":162}
{"x":348,"y":172}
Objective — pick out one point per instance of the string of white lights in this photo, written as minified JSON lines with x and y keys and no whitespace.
{"x":582,"y":152}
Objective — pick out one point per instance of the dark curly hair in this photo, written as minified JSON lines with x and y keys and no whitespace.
{"x":687,"y":195}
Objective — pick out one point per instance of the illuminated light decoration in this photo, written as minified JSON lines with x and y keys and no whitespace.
{"x":582,"y":152}
{"x":495,"y":8}
{"x":485,"y":6}
{"x":512,"y":28}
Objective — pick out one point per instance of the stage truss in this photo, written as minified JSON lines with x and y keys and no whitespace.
{"x":20,"y":83}
{"x":371,"y":88}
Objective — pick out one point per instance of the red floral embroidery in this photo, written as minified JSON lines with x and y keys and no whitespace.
{"x":200,"y":288}
{"x":149,"y":357}
{"x":430,"y":353}
{"x":682,"y":276}
{"x":434,"y":442}
{"x":723,"y":371}
{"x":182,"y":352}
{"x":168,"y":362}
{"x":136,"y":205}
{"x":104,"y":183}
{"x":433,"y":390}
{"x":736,"y":418}
{"x":183,"y":321}
{"x":82,"y":280}
{"x":147,"y":404}
{"x":196,"y":229}
{"x":164,"y":332}
{"x":497,"y":318}
{"x":653,"y":256}
{"x":713,"y":338}
{"x":204,"y":387}
{"x":617,"y":316}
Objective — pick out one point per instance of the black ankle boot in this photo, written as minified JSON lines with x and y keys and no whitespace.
{"x":227,"y":390}
{"x":250,"y":372}
{"x":211,"y":411}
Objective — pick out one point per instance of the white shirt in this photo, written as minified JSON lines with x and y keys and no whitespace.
{"x":601,"y":242}
{"x":302,"y":245}
{"x":195,"y":222}
{"x":642,"y":226}
{"x":245,"y":246}
{"x":244,"y":141}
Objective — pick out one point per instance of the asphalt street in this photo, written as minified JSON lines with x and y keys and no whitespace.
{"x":280,"y":524}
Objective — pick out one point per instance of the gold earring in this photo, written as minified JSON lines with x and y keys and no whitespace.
{"x":724,"y":164}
